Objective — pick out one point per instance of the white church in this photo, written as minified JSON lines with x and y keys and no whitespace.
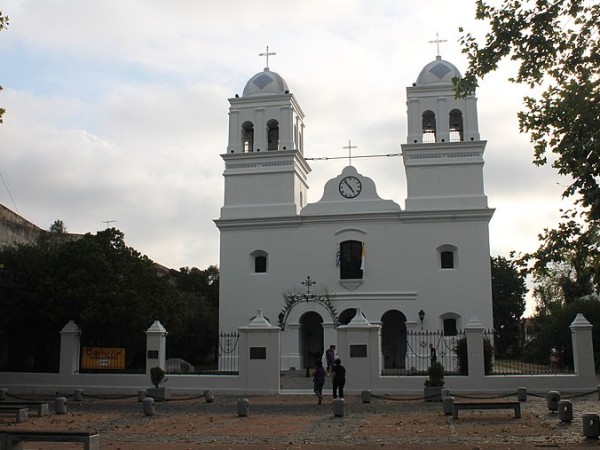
{"x":311,"y":266}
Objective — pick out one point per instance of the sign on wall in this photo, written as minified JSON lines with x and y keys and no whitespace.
{"x":103,"y":358}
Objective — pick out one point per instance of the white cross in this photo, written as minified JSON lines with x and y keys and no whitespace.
{"x":437,"y":42}
{"x":267,"y":55}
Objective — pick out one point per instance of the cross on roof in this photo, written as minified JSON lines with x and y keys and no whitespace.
{"x":437,"y":42}
{"x":349,"y":147}
{"x":267,"y":55}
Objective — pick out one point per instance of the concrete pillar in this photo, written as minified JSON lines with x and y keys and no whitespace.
{"x":366,"y":396}
{"x":208,"y":396}
{"x":583,"y":349}
{"x":78,"y":395}
{"x":591,"y":426}
{"x":552,"y":399}
{"x":565,"y":411}
{"x":69,"y":349}
{"x":448,"y":405}
{"x":338,"y":407}
{"x":60,"y":405}
{"x":156,"y":343}
{"x":141,"y":396}
{"x":260,"y":364}
{"x":148,"y":406}
{"x":474,"y":331}
{"x":522,"y":394}
{"x":359,"y":349}
{"x":243,"y":406}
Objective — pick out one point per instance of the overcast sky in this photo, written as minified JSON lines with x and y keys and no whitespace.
{"x":117,"y":110}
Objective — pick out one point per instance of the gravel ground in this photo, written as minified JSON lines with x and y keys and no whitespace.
{"x":295,"y":421}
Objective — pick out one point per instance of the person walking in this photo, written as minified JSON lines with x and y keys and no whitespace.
{"x":319,"y":380}
{"x":338,"y":378}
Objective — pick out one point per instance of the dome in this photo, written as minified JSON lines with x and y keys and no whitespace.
{"x":438,"y":72}
{"x":265,"y":83}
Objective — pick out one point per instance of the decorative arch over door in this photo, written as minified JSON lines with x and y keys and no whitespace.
{"x":393,"y":340}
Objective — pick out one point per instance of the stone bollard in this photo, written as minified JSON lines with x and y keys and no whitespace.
{"x":338,"y":407}
{"x":148,"y":406}
{"x":522,"y":394}
{"x":141,"y":396}
{"x":565,"y":411}
{"x":78,"y":395}
{"x":448,"y":405}
{"x":3,"y":393}
{"x":209,"y":396}
{"x":242,"y":407}
{"x":553,"y":397}
{"x":591,"y":426}
{"x":365,"y":396}
{"x":445,"y":393}
{"x":60,"y":405}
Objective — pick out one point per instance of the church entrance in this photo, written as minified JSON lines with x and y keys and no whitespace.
{"x":393,"y":340}
{"x":311,"y":338}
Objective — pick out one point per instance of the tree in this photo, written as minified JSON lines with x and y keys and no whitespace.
{"x":556,"y":45}
{"x":109,"y":289}
{"x":3,"y":24}
{"x":508,"y":300}
{"x":58,"y":227}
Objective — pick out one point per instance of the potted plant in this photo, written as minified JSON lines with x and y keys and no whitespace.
{"x":434,"y":382}
{"x":158,"y":393}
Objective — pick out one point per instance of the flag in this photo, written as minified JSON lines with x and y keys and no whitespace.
{"x":337,"y":256}
{"x":363,"y":257}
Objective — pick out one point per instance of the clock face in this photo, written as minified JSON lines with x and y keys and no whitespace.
{"x":350,"y":187}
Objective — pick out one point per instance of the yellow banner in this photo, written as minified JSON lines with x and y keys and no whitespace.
{"x":102,"y":358}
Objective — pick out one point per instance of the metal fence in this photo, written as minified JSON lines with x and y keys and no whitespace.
{"x":418,"y":353}
{"x":530,"y":354}
{"x":504,"y":353}
{"x":203,"y":354}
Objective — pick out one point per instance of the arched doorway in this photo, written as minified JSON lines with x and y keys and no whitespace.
{"x":311,"y":338}
{"x":393,"y":340}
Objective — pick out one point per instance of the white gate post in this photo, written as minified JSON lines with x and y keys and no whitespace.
{"x":359,"y":349}
{"x":156,"y":346}
{"x":474,"y":331}
{"x":69,"y":348}
{"x":260,"y":361}
{"x":583,"y":348}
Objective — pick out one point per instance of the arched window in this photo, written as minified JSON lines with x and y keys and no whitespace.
{"x":258,"y":261}
{"x":350,"y":260}
{"x":247,"y":137}
{"x":447,"y":257}
{"x":429,"y":127}
{"x":450,"y":327}
{"x":455,"y":126}
{"x":272,"y":135}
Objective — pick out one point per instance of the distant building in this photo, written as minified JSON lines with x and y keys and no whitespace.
{"x":16,"y":230}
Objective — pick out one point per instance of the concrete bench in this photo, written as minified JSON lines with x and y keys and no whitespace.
{"x":40,"y":407}
{"x":516,"y":406}
{"x":21,"y":413}
{"x":13,"y":439}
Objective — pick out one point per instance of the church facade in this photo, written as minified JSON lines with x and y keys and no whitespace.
{"x":311,"y":267}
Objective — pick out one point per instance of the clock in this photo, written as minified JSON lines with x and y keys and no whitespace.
{"x":350,"y":187}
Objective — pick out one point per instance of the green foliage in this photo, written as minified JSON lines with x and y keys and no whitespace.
{"x":508,"y":300}
{"x":463,"y":356}
{"x":110,"y":290}
{"x":556,"y":46}
{"x":58,"y":227}
{"x":435,"y":375}
{"x":157,"y":375}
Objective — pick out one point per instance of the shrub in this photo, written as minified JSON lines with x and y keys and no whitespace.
{"x":157,"y":375}
{"x":435,"y":375}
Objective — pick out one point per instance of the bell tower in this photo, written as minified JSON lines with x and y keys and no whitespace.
{"x":265,"y":170}
{"x":443,"y":156}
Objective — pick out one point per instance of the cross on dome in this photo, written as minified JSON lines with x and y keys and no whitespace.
{"x":349,"y":147}
{"x":267,"y":53}
{"x":437,"y":41}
